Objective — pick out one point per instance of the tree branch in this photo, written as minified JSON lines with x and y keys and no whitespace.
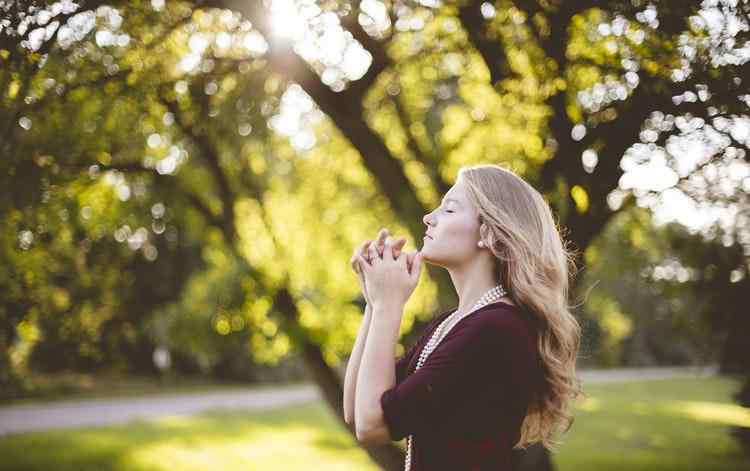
{"x":344,"y":109}
{"x":195,"y":200}
{"x":429,"y":165}
{"x":489,"y":47}
{"x":210,"y":155}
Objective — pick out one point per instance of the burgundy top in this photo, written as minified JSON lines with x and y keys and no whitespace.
{"x":465,"y":405}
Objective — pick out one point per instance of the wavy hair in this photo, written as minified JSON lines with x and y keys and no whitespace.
{"x":535,"y":267}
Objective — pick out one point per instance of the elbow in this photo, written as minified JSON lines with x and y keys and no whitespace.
{"x":372,"y":437}
{"x":370,"y":427}
{"x":376,"y":434}
{"x":361,"y":435}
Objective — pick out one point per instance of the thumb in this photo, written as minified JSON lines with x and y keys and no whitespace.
{"x":410,"y":260}
{"x":416,"y":268}
{"x":364,"y":265}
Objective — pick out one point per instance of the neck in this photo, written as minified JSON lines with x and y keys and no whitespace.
{"x":473,"y":281}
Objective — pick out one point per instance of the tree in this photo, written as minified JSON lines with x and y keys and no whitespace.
{"x":571,"y":86}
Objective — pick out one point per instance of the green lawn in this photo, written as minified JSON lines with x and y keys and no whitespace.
{"x":659,"y":425}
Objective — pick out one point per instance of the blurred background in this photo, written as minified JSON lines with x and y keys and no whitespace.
{"x":184,"y":181}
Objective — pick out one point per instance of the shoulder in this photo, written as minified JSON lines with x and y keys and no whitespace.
{"x":502,"y":321}
{"x":500,"y":316}
{"x":496,"y":323}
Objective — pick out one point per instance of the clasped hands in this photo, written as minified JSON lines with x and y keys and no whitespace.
{"x":386,"y":274}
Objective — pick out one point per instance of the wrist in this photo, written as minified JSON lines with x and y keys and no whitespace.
{"x":389,"y":307}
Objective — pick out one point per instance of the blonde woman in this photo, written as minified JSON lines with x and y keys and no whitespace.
{"x":493,"y":375}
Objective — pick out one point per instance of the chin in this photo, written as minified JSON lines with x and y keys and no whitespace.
{"x":427,"y":258}
{"x":425,"y":255}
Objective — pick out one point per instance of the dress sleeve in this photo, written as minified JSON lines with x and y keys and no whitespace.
{"x":449,"y":377}
{"x":403,"y":363}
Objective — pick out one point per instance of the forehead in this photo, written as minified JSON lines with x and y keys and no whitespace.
{"x":455,"y":194}
{"x":448,"y":200}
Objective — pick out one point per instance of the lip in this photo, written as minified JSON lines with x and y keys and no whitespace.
{"x":426,"y":237}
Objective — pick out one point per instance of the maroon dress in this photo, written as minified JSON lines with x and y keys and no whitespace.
{"x":465,"y":405}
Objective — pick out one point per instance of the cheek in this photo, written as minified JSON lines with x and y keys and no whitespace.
{"x":460,"y":231}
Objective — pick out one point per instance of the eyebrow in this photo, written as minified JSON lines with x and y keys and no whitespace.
{"x":452,"y":199}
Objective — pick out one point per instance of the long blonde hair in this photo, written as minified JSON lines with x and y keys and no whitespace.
{"x":535,"y":267}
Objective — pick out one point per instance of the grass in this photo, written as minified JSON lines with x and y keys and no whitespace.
{"x":657,"y":425}
{"x":300,"y":437}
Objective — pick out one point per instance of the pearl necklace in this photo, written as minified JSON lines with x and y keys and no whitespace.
{"x":439,"y":334}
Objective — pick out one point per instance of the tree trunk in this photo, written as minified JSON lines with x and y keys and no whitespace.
{"x":390,"y":457}
{"x":742,"y":434}
{"x":734,"y":354}
{"x":535,"y":458}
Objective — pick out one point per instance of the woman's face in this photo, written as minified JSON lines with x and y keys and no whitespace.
{"x":454,"y":230}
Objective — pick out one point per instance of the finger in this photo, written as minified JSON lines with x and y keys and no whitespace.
{"x":410,"y":260}
{"x":366,"y":248}
{"x":380,"y":243}
{"x":371,"y":255}
{"x":382,"y":235}
{"x":401,"y":261}
{"x":358,"y":251}
{"x":397,"y":246}
{"x":364,"y":264}
{"x":388,"y":249}
{"x":363,"y":247}
{"x":353,"y":262}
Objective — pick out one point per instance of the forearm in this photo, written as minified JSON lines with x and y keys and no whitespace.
{"x":352,"y":366}
{"x":377,"y":370}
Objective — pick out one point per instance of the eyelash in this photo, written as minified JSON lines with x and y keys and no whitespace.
{"x":447,"y":210}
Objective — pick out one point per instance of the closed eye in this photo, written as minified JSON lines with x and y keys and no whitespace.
{"x":447,"y":210}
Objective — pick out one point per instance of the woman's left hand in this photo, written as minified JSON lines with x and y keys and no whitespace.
{"x":391,"y":280}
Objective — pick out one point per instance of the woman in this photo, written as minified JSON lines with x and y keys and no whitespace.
{"x":497,"y":373}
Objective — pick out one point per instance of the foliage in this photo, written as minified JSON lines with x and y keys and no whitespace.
{"x":196,"y":173}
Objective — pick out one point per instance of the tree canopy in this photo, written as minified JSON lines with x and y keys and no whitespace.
{"x":196,"y":173}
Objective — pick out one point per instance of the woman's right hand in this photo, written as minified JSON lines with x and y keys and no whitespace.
{"x":363,"y":250}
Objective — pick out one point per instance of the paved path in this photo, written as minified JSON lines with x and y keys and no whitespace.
{"x":74,"y":413}
{"x":65,"y":413}
{"x":638,"y":374}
